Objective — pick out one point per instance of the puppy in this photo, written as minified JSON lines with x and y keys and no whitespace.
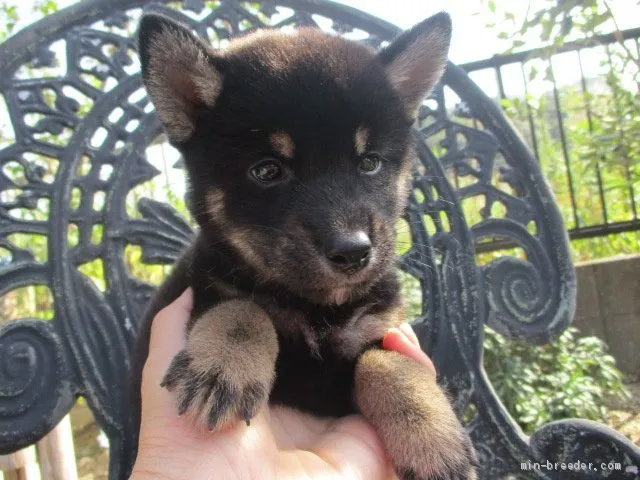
{"x":299,"y":158}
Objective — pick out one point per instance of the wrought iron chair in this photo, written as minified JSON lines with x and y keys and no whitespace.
{"x":81,"y":125}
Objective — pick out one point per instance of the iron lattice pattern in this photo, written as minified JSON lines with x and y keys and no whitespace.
{"x":82,"y":149}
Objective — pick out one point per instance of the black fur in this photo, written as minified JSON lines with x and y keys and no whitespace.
{"x":320,"y":100}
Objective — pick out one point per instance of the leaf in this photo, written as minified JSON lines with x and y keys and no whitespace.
{"x":547,"y":28}
{"x":567,"y":25}
{"x":527,"y":377}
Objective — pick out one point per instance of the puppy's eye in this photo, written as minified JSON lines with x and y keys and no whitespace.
{"x":370,"y":163}
{"x":267,"y":171}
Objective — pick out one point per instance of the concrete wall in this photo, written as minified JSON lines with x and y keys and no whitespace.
{"x":609,"y":307}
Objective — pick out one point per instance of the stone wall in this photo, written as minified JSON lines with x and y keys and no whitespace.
{"x":609,"y":307}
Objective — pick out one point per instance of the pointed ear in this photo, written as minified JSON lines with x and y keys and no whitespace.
{"x":416,"y":60}
{"x":179,"y":74}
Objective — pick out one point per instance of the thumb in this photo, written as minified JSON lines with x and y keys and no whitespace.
{"x":168,"y":332}
{"x":167,"y":339}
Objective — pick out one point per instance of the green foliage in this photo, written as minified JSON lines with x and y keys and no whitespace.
{"x":568,"y":378}
{"x":46,"y":7}
{"x":8,"y":19}
{"x":411,"y":296}
{"x":618,"y":142}
{"x":571,"y":377}
{"x":604,"y":144}
{"x":601,"y":151}
{"x":551,"y":23}
{"x":33,"y":301}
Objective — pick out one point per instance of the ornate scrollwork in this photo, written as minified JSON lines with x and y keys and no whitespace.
{"x":82,"y":126}
{"x":162,"y":233}
{"x":497,"y":179}
{"x":32,"y":361}
{"x":515,"y":291}
{"x":592,"y":450}
{"x":518,"y":291}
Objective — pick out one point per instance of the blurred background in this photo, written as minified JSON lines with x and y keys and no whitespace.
{"x":576,"y":104}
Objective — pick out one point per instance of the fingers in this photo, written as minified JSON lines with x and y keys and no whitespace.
{"x":168,"y":331}
{"x":294,"y":429}
{"x":352,"y":448}
{"x":403,"y":340}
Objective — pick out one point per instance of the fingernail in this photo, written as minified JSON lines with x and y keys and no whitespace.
{"x":394,"y":330}
{"x":406,"y":329}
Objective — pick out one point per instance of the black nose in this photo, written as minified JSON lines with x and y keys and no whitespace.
{"x":349,"y":252}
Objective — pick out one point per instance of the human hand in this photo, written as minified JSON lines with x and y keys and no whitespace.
{"x":280,"y":443}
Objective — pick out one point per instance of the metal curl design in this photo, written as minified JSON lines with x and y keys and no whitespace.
{"x":520,"y":287}
{"x":519,"y":292}
{"x":31,"y":362}
{"x":489,"y":167}
{"x":592,"y":450}
{"x":522,"y":294}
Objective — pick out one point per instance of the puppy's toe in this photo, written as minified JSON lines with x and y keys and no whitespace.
{"x":451,"y":463}
{"x":214,"y":398}
{"x":253,"y":397}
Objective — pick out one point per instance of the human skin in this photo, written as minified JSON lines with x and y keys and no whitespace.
{"x":279,"y":443}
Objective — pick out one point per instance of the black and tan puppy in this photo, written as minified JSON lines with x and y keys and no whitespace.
{"x":299,"y":156}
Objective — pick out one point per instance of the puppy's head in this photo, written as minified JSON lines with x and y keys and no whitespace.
{"x":297,"y":144}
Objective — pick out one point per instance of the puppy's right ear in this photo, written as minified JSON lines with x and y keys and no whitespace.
{"x":179,"y":72}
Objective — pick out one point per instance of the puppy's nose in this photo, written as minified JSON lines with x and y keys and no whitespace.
{"x":349,"y":252}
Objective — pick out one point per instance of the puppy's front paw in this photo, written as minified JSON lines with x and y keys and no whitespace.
{"x":226,"y":372}
{"x":215,"y":395}
{"x":452,"y":460}
{"x":413,"y":417}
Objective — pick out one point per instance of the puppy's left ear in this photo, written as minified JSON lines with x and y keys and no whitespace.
{"x":416,"y":60}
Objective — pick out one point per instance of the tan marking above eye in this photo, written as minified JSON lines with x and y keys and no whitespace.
{"x":282,"y":144}
{"x":361,"y":140}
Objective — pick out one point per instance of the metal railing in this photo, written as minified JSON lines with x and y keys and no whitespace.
{"x":577,"y":224}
